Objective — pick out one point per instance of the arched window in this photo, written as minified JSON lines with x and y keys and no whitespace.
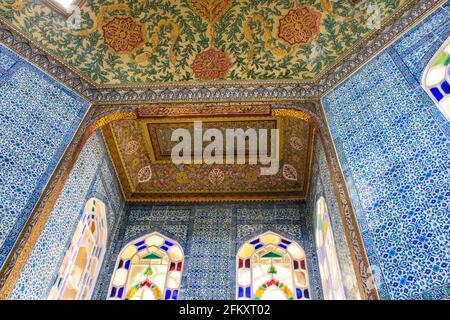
{"x":148,"y":268}
{"x":326,"y":253}
{"x":81,"y":264}
{"x":436,"y":78}
{"x":271,"y":267}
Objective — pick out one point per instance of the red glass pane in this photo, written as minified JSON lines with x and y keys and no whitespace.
{"x":302,"y":264}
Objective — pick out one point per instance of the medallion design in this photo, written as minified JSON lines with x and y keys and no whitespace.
{"x":211,"y":64}
{"x":216,"y":176}
{"x":123,"y":34}
{"x":131,"y":147}
{"x":299,"y":26}
{"x":289,"y":172}
{"x":296,"y":143}
{"x":145,"y":174}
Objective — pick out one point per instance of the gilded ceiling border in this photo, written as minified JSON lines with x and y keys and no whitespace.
{"x":243,"y":110}
{"x":101,"y":116}
{"x":405,"y":18}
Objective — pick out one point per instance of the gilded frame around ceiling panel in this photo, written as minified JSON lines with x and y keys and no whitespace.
{"x":132,"y":195}
{"x":149,"y":144}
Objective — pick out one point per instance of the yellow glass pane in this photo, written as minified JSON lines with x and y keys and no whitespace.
{"x":300,"y":278}
{"x":154,"y":240}
{"x":447,"y":49}
{"x":120,"y":277}
{"x":246,"y":251}
{"x":175,"y":253}
{"x":270,"y":238}
{"x":128,"y":252}
{"x":295,"y":250}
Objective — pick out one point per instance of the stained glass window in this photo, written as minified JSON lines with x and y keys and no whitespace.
{"x":148,"y":268}
{"x":271,"y":267}
{"x":82,"y":261}
{"x":436,"y":78}
{"x":326,"y":253}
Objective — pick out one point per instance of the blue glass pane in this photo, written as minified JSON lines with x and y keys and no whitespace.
{"x":142,"y":248}
{"x":167,"y":297}
{"x":140,"y":243}
{"x":254,"y":241}
{"x":127,"y":264}
{"x":113,"y":292}
{"x":258,"y":246}
{"x":164,"y":248}
{"x":437,"y":94}
{"x":445,"y":87}
{"x":120,"y":293}
{"x":168,"y":243}
{"x":299,"y":293}
{"x":175,"y":295}
{"x":282,"y":245}
{"x":240,"y":292}
{"x":247,"y":292}
{"x":285,"y":241}
{"x":306,"y":292}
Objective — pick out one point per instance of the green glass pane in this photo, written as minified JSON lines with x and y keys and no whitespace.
{"x":152,"y":256}
{"x":440,"y":59}
{"x":272,"y":255}
{"x":447,"y":61}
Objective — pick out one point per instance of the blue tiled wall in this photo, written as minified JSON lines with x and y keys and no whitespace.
{"x":91,"y":176}
{"x":38,"y":118}
{"x":211,"y":236}
{"x":394,"y":149}
{"x":321,"y":185}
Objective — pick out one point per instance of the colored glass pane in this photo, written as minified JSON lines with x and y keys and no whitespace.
{"x":153,"y":271}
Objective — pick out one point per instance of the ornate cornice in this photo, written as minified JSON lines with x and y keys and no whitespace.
{"x":217,"y":91}
{"x":397,"y":25}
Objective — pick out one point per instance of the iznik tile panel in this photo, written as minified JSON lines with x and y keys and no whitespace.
{"x":91,"y":176}
{"x":38,"y":118}
{"x":322,"y":186}
{"x":211,"y":236}
{"x":394,"y":148}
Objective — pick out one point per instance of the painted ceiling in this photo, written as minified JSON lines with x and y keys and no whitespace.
{"x":140,"y":150}
{"x":149,"y":42}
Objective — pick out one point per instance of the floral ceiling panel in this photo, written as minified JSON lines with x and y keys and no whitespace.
{"x":141,"y":152}
{"x":126,"y":42}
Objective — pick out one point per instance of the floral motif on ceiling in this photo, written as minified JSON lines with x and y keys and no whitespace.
{"x":140,"y":150}
{"x":211,"y":64}
{"x":123,"y":34}
{"x":138,"y":42}
{"x":299,"y":26}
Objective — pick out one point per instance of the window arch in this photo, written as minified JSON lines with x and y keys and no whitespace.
{"x":271,"y":267}
{"x":436,"y":78}
{"x":148,"y":268}
{"x":81,"y":265}
{"x":330,"y":272}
